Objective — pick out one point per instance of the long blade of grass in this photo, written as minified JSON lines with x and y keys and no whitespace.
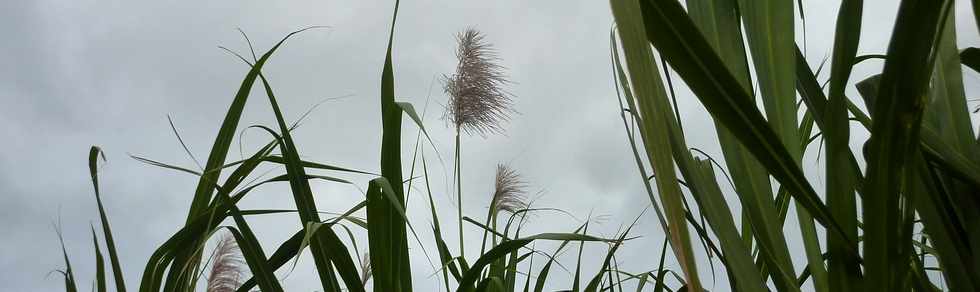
{"x":93,"y":160}
{"x":769,"y":26}
{"x":816,"y":103}
{"x":387,"y":236}
{"x":578,"y":261}
{"x":445,"y":257}
{"x":897,"y":115}
{"x":68,"y":273}
{"x":843,"y":267}
{"x":286,"y":251}
{"x":738,"y":257}
{"x":622,"y":80}
{"x":99,"y":264}
{"x":252,"y":251}
{"x":656,"y":118}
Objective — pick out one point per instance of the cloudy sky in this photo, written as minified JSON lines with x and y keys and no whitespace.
{"x":80,"y":73}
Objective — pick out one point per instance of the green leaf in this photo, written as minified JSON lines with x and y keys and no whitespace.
{"x":770,"y":30}
{"x":656,"y":118}
{"x":897,"y":114}
{"x":387,"y":236}
{"x":843,"y":271}
{"x":738,"y":257}
{"x":68,"y":273}
{"x":287,"y":250}
{"x":253,"y":254}
{"x":99,"y":264}
{"x":93,"y":161}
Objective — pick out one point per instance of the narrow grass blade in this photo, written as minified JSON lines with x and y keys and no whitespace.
{"x":816,"y":103}
{"x":93,"y":161}
{"x":769,"y":26}
{"x":897,"y":114}
{"x":655,"y":128}
{"x":622,"y":81}
{"x":387,"y":235}
{"x":738,"y":257}
{"x":68,"y":273}
{"x":286,"y":251}
{"x":99,"y":264}
{"x":252,"y":251}
{"x":843,"y":267}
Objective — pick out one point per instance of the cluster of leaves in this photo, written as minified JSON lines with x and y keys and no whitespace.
{"x":915,"y":200}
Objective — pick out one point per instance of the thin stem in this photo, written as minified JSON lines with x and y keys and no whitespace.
{"x":459,"y":196}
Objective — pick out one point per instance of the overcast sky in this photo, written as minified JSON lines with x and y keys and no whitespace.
{"x":80,"y":73}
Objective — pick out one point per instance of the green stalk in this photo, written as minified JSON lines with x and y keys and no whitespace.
{"x":459,"y":197}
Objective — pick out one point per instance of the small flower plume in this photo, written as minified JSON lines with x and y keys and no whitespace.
{"x":477,"y":102}
{"x":509,"y":193}
{"x":228,"y":268}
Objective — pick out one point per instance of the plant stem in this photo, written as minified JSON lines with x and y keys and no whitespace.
{"x":459,"y":196}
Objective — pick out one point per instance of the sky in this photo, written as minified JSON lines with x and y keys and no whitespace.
{"x":109,"y":73}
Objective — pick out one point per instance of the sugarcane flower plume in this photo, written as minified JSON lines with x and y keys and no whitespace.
{"x":228,"y":268}
{"x":478,"y":104}
{"x":509,"y":191}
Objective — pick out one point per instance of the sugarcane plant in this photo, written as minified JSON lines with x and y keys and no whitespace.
{"x":905,"y":222}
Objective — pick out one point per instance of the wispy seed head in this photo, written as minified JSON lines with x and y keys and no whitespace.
{"x":478,"y":104}
{"x":228,"y":268}
{"x":509,"y":191}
